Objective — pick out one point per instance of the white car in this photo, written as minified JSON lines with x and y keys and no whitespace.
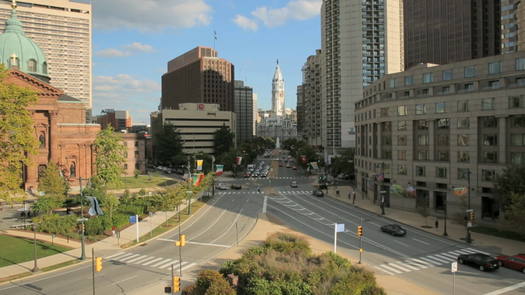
{"x":221,"y":187}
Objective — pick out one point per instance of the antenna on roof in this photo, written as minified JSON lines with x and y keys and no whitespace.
{"x":214,"y":39}
{"x":13,"y":4}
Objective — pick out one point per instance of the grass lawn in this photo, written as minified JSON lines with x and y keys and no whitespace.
{"x":143,"y":181}
{"x":499,"y":233}
{"x":16,"y":250}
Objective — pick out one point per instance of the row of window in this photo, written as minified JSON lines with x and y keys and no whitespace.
{"x":487,"y":104}
{"x":442,"y":172}
{"x":468,"y":72}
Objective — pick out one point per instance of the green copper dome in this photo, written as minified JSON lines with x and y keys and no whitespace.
{"x":17,"y":50}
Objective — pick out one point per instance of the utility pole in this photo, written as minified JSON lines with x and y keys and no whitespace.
{"x":82,"y":226}
{"x":445,"y":222}
{"x":469,"y":222}
{"x":35,"y":267}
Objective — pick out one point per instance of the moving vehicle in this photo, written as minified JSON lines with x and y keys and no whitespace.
{"x":394,"y":229}
{"x":221,"y":187}
{"x":236,"y":186}
{"x":293,"y":184}
{"x":479,"y":260}
{"x":318,"y":193}
{"x":516,"y":262}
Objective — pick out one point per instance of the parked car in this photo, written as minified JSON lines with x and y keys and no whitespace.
{"x":394,"y":229}
{"x":293,"y":184}
{"x":294,"y":168}
{"x":221,"y":187}
{"x":280,"y":164}
{"x":246,"y":174}
{"x":236,"y":186}
{"x":516,"y":262}
{"x":318,"y":193}
{"x":479,"y":260}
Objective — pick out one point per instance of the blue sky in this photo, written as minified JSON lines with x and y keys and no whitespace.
{"x":134,"y":39}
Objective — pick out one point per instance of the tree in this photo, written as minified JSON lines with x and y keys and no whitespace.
{"x":515,"y":212}
{"x":18,"y":142}
{"x":210,"y":282}
{"x":223,"y":141}
{"x":344,"y":163}
{"x":110,"y":158}
{"x":510,"y":182}
{"x":168,"y":146}
{"x":53,"y":183}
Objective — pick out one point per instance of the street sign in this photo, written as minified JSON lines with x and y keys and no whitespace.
{"x":340,"y":227}
{"x":469,"y":224}
{"x":454,"y":267}
{"x":82,"y":219}
{"x":132,"y":219}
{"x":189,"y":192}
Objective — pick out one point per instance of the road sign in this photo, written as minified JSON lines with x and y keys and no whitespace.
{"x":82,"y":219}
{"x":132,"y":219}
{"x":454,"y":267}
{"x":340,"y":227}
{"x":469,"y":224}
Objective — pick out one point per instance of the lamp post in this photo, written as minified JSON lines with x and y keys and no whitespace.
{"x":35,"y":267}
{"x":82,"y":226}
{"x":468,"y":238}
{"x":445,"y":221}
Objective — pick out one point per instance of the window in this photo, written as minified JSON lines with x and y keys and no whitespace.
{"x":463,"y":157}
{"x":463,"y":123}
{"x":442,"y":123}
{"x":462,"y":140}
{"x":517,"y":139}
{"x":490,"y":157}
{"x":494,"y":84}
{"x":392,"y":83}
{"x":517,"y":122}
{"x":42,"y":140}
{"x":44,"y":68}
{"x":422,"y":124}
{"x":427,"y":78}
{"x":440,"y":107}
{"x":520,"y":64}
{"x":490,"y":140}
{"x":386,"y":140}
{"x":73,"y":170}
{"x":402,"y":155}
{"x":402,"y":140}
{"x":517,"y":158}
{"x":31,"y":65}
{"x":442,"y":156}
{"x":520,"y":81}
{"x":409,"y":80}
{"x":495,"y":67}
{"x":41,"y":171}
{"x":516,"y":102}
{"x":402,"y":169}
{"x":447,"y":75}
{"x":445,"y":89}
{"x":469,"y":72}
{"x":443,"y":140}
{"x":402,"y":125}
{"x":487,"y":104}
{"x":402,"y":110}
{"x":468,"y":86}
{"x":487,"y":175}
{"x":126,"y":166}
{"x":441,"y":172}
{"x":420,"y":171}
{"x":489,"y":122}
{"x":384,"y":112}
{"x":422,"y":155}
{"x":463,"y":173}
{"x":421,"y":109}
{"x":463,"y":106}
{"x":422,"y":139}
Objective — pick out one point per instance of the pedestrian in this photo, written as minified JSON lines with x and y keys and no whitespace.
{"x":353,"y":197}
{"x":436,"y":223}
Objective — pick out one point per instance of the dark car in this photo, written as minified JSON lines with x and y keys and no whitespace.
{"x":318,"y":193}
{"x":294,"y":168}
{"x":479,"y":260}
{"x":394,"y":230}
{"x":516,"y":262}
{"x":293,"y":183}
{"x":236,"y":186}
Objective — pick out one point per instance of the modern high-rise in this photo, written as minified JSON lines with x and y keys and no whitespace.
{"x":447,"y":31}
{"x":361,"y":41}
{"x":278,"y":92}
{"x":62,"y":28}
{"x":254,"y":126}
{"x":309,"y":121}
{"x":198,"y":76}
{"x":243,"y":101}
{"x":512,"y":25}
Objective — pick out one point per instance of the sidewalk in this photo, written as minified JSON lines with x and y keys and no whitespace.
{"x":106,"y":246}
{"x":455,"y":231}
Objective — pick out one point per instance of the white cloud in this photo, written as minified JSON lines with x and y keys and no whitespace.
{"x":150,"y":15}
{"x":122,"y":84}
{"x":294,"y":10}
{"x":245,"y":23}
{"x":128,"y":50}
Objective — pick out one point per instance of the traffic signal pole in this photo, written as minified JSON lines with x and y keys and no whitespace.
{"x":93,"y":267}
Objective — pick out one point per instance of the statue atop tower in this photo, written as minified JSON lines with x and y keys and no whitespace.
{"x":278,"y":92}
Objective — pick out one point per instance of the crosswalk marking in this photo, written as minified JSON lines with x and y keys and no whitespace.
{"x":128,"y":258}
{"x":413,"y":264}
{"x":175,"y":264}
{"x":151,"y":261}
{"x":171,"y":261}
{"x":140,"y":259}
{"x":114,"y":255}
{"x":161,"y":262}
{"x":120,"y":256}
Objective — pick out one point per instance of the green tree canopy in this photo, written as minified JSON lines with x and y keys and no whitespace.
{"x":209,"y":282}
{"x":168,"y":146}
{"x":18,"y":141}
{"x":223,"y":141}
{"x":515,"y":212}
{"x":110,"y":158}
{"x":510,"y":182}
{"x":344,"y":163}
{"x":53,"y":183}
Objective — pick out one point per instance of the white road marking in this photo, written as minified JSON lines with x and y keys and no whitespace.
{"x":209,"y":244}
{"x":507,"y":289}
{"x":452,"y":256}
{"x":175,"y":265}
{"x":444,"y":258}
{"x":422,"y":242}
{"x":438,"y":259}
{"x":139,"y":261}
{"x":384,"y":270}
{"x":123,"y":280}
{"x":415,"y":263}
{"x":151,"y":261}
{"x":114,"y":255}
{"x":430,"y":260}
{"x":478,"y":251}
{"x":401,"y":243}
{"x":400,"y":267}
{"x":121,"y":256}
{"x":161,"y":262}
{"x":141,"y":257}
{"x":390,"y":268}
{"x":128,"y":258}
{"x":171,"y":261}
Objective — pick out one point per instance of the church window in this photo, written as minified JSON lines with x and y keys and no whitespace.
{"x":73,"y":170}
{"x":13,"y":61}
{"x":44,"y":68}
{"x":41,"y":171}
{"x":31,"y":65}
{"x":42,"y":140}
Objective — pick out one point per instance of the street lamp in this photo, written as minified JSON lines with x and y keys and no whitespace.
{"x":469,"y":224}
{"x":82,"y":219}
{"x":35,"y":267}
{"x":445,"y":221}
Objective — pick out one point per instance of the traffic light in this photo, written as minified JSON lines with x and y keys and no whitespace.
{"x":359,"y":230}
{"x":471,"y":215}
{"x":182,"y":241}
{"x":98,"y":264}
{"x":176,"y":284}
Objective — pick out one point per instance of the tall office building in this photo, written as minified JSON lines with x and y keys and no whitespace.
{"x":254,"y":126}
{"x":447,"y":31}
{"x":278,"y":92}
{"x":512,"y":26}
{"x":361,"y":41}
{"x":243,"y":101}
{"x":309,"y":121}
{"x":198,"y":76}
{"x":62,"y":28}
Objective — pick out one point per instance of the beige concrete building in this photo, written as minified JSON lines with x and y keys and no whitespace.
{"x":512,"y":25}
{"x":62,"y":28}
{"x":309,"y":122}
{"x":429,"y":131}
{"x":197,"y":124}
{"x":135,"y":153}
{"x":361,"y":41}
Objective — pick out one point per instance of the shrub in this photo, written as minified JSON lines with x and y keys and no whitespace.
{"x":56,"y":224}
{"x":45,"y":205}
{"x":210,"y":282}
{"x":97,"y":225}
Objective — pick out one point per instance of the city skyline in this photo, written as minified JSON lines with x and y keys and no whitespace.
{"x":129,"y":59}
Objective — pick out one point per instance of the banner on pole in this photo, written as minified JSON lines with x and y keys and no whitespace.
{"x":238,"y":160}
{"x":219,"y":169}
{"x":459,"y":191}
{"x":197,"y":179}
{"x":199,"y":165}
